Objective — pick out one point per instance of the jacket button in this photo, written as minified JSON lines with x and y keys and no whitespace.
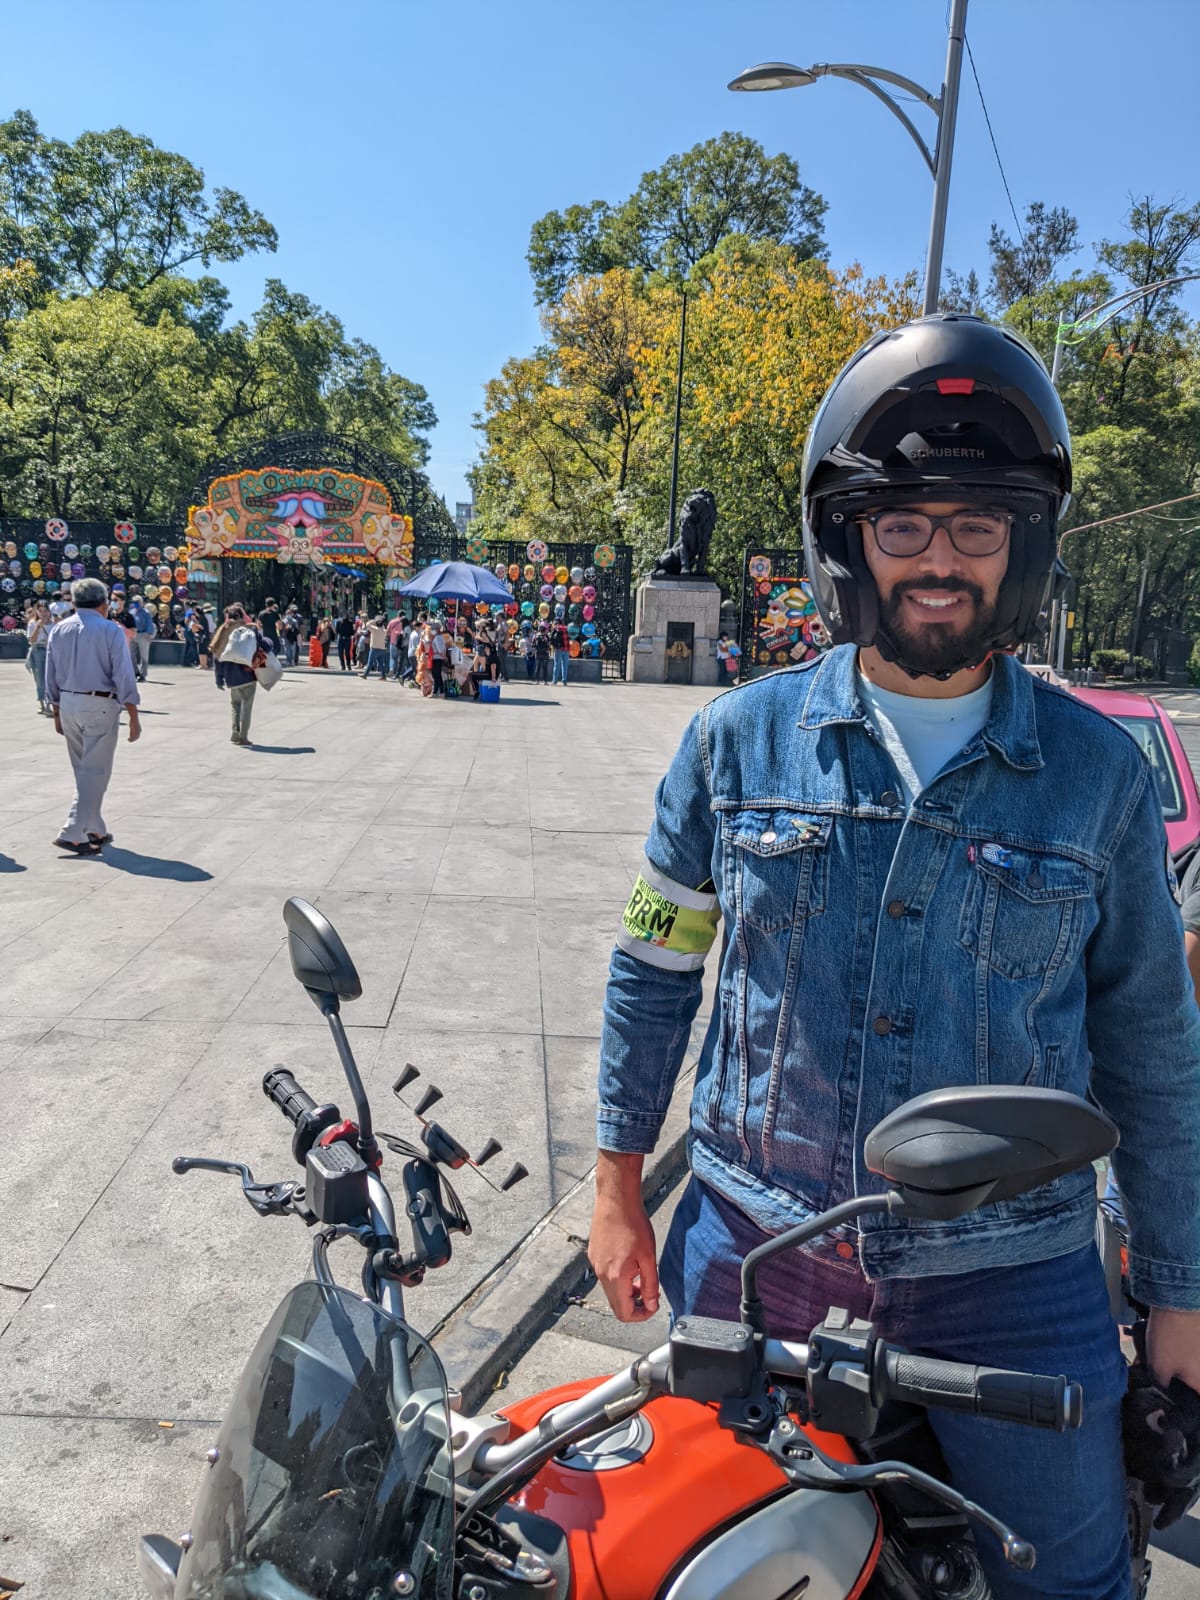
{"x":896,"y":908}
{"x":769,"y":837}
{"x":882,"y":1025}
{"x":889,"y":797}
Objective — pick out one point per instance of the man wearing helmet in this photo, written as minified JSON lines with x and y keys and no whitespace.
{"x":929,"y":866}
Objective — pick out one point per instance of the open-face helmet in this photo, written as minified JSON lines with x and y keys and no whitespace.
{"x":948,"y":407}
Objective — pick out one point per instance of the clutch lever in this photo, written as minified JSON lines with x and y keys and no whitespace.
{"x":268,"y":1199}
{"x":806,"y":1465}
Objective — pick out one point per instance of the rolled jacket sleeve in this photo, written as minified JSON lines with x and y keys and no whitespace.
{"x":1144,"y":1036}
{"x":656,"y":971}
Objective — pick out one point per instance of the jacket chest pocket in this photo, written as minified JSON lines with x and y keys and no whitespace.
{"x":779,"y":861}
{"x":1022,"y":909}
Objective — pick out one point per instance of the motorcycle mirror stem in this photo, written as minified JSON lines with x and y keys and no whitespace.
{"x":368,"y":1148}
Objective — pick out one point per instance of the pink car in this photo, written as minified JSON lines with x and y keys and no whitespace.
{"x":1150,"y":725}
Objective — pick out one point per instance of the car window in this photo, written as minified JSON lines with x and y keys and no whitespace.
{"x":1148,"y":733}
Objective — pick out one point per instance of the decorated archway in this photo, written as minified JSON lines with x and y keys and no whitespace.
{"x":312,"y":517}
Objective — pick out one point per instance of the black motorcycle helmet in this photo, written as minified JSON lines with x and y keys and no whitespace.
{"x":946,"y":407}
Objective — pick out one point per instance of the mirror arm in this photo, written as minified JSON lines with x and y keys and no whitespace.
{"x":752,"y":1307}
{"x":368,"y":1149}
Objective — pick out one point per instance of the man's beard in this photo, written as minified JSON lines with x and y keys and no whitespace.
{"x":935,"y":647}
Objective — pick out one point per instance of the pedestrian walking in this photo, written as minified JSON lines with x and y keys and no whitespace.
{"x":37,"y":630}
{"x":541,"y":651}
{"x":202,"y":633}
{"x":237,"y":673}
{"x":728,"y":655}
{"x":397,"y":638}
{"x":425,"y":678}
{"x":268,"y":624}
{"x":414,"y":646}
{"x":289,"y":632}
{"x":345,"y":641}
{"x":377,"y":649}
{"x":89,"y":677}
{"x":529,"y":651}
{"x":441,"y":652}
{"x":325,"y":636}
{"x":561,"y":640}
{"x":146,"y":631}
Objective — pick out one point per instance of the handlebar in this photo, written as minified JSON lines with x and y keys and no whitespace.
{"x":1024,"y":1397}
{"x":281,"y":1088}
{"x":308,"y":1118}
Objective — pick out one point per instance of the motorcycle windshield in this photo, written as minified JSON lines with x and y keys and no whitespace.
{"x":334,"y":1475}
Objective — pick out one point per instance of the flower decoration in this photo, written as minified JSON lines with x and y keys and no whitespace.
{"x":124,"y":532}
{"x":604,"y":556}
{"x":759,"y":567}
{"x":56,"y":529}
{"x":537,"y":550}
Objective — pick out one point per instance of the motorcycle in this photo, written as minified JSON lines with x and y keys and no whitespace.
{"x":722,"y":1464}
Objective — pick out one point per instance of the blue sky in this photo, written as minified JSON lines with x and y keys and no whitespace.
{"x":403,"y":150}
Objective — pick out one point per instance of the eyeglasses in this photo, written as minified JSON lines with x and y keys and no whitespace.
{"x":910,"y":533}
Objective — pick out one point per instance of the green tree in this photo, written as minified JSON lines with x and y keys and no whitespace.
{"x":112,"y":211}
{"x":678,"y":214}
{"x":100,"y":414}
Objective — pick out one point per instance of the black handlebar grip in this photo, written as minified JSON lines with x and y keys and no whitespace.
{"x":1025,"y":1397}
{"x":282,"y":1090}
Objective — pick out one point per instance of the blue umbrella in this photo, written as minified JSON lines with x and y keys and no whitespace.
{"x":458,"y":580}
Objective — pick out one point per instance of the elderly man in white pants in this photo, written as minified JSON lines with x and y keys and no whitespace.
{"x":89,"y":677}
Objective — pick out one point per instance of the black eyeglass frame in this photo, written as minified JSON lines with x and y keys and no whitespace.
{"x":943,"y":521}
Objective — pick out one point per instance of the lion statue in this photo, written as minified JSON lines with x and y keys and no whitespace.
{"x":688,"y":556}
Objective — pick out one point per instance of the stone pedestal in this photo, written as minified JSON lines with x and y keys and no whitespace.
{"x":662,"y":649}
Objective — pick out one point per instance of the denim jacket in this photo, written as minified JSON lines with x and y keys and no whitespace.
{"x":1014,"y":924}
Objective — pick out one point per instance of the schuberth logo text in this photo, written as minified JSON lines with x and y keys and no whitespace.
{"x":961,"y":451}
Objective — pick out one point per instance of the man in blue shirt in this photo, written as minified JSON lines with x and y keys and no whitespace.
{"x":143,"y":638}
{"x":929,"y":866}
{"x":89,"y":677}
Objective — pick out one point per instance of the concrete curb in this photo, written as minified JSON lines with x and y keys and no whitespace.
{"x":493,"y":1328}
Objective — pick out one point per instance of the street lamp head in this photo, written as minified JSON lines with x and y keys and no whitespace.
{"x":773,"y":75}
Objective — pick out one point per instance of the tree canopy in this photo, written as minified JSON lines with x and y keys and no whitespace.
{"x":678,"y":214}
{"x":120,"y":371}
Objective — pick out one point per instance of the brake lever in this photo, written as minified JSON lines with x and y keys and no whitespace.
{"x":806,"y":1465}
{"x":268,"y":1199}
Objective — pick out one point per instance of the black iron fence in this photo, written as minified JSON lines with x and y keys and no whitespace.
{"x":779,"y":625}
{"x":588,"y":587}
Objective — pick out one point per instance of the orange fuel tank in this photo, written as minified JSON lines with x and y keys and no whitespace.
{"x":660,"y":1487}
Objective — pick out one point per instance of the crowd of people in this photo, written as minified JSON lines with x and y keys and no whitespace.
{"x":437,"y":655}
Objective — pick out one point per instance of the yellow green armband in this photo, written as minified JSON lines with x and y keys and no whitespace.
{"x":667,"y":924}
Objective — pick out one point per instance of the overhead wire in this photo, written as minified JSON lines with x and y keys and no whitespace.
{"x":1123,"y":516}
{"x":992,"y":137}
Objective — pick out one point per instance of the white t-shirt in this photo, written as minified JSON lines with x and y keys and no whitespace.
{"x":922,"y":735}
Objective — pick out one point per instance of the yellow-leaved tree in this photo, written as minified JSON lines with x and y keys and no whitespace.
{"x":577,"y":437}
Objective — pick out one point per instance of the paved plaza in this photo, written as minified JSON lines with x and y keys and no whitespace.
{"x":475,"y":860}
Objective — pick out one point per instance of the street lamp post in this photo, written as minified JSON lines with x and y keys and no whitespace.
{"x":780,"y":75}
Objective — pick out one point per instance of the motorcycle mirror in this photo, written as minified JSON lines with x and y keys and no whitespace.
{"x":319,"y":958}
{"x":953,"y":1150}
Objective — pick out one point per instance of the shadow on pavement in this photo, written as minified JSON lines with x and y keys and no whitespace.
{"x":7,"y":864}
{"x":284,"y":749}
{"x":149,"y":866}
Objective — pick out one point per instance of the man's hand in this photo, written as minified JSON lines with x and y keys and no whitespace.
{"x":1173,"y":1346}
{"x":135,"y":724}
{"x":57,"y":722}
{"x":621,"y":1245}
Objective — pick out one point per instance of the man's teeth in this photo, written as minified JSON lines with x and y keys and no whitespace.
{"x":937,"y":604}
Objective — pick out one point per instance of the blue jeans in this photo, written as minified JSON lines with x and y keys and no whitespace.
{"x":1065,"y":1492}
{"x":376,"y":658}
{"x":394,"y":660}
{"x":561,"y":661}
